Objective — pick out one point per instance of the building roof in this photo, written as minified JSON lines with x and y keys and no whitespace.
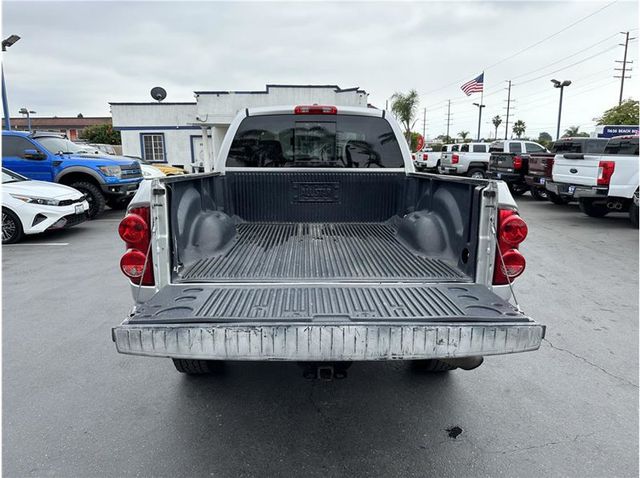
{"x":335,"y":88}
{"x":60,"y":122}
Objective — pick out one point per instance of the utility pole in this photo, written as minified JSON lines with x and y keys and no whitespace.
{"x":448,"y":118}
{"x":624,"y":62}
{"x":506,"y":123}
{"x":424,"y":123}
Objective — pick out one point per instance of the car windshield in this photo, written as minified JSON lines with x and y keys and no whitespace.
{"x":56,"y":144}
{"x":11,"y":177}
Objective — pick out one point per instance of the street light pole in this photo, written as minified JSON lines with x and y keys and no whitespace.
{"x":480,"y":106}
{"x":28,"y":112}
{"x":6,"y":43}
{"x":561,"y":85}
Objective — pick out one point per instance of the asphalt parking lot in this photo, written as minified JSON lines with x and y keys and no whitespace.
{"x":73,"y":407}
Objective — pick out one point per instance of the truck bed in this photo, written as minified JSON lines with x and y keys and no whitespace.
{"x":325,"y":251}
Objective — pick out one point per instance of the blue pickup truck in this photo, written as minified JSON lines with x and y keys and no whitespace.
{"x":105,"y":180}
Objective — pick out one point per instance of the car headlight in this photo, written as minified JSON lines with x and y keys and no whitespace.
{"x":114,"y":171}
{"x":36,"y":200}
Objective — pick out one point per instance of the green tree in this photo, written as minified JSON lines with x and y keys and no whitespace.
{"x":573,"y":132}
{"x":443,"y":138}
{"x":519,"y":128}
{"x":463,"y":135}
{"x":625,"y":113}
{"x":101,"y":134}
{"x":497,"y":121}
{"x":545,"y":139}
{"x":404,"y":107}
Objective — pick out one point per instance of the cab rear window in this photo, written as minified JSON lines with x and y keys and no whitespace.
{"x":312,"y":141}
{"x":628,"y":146}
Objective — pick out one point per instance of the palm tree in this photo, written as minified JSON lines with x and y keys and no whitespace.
{"x":519,"y":128}
{"x":404,"y":107}
{"x":463,"y":134}
{"x":497,"y":121}
{"x":571,"y":131}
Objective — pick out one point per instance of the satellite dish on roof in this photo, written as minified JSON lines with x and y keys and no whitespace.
{"x":158,"y":93}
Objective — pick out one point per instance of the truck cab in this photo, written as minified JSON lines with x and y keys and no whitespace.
{"x":104,"y":179}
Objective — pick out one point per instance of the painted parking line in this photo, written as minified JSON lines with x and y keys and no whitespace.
{"x":37,"y":244}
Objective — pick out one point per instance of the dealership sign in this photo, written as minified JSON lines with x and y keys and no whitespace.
{"x":622,"y":130}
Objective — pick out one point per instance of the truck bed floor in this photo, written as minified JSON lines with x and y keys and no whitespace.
{"x":319,"y":251}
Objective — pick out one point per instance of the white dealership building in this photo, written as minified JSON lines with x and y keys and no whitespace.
{"x":173,"y":133}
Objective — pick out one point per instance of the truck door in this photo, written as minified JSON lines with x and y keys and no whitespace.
{"x":15,"y":158}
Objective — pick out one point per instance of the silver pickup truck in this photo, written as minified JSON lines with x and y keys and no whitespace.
{"x":315,"y":241}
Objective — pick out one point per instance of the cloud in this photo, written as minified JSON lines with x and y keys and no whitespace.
{"x":77,"y":56}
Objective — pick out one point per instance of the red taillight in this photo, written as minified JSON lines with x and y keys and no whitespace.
{"x":455,"y":158}
{"x":413,"y":156}
{"x":605,"y":171}
{"x":315,"y":110}
{"x":134,"y":231}
{"x":512,"y":230}
{"x":517,"y":162}
{"x":132,"y":263}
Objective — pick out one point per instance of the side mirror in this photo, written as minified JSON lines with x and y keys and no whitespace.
{"x":33,"y":154}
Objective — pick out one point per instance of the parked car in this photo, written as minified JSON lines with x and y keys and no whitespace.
{"x":601,"y":183}
{"x":509,"y":162}
{"x":541,"y":165}
{"x":304,"y":260}
{"x":32,"y":207}
{"x":467,"y":159}
{"x":150,"y":172}
{"x":429,"y":159}
{"x":105,"y":180}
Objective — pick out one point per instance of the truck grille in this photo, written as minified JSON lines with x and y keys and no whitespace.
{"x":132,"y":171}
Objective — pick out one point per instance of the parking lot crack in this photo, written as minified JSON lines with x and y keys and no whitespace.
{"x":543,"y":445}
{"x":617,"y":377}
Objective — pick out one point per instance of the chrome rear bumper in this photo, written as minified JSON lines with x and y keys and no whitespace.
{"x":314,"y":342}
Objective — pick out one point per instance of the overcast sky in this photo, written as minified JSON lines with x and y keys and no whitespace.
{"x":77,"y":56}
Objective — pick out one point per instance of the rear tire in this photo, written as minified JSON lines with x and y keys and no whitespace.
{"x":95,"y":197}
{"x":197,"y":367}
{"x":431,"y":366}
{"x":477,"y":173}
{"x":588,"y":207}
{"x":557,"y":199}
{"x":539,"y":194}
{"x":11,"y":227}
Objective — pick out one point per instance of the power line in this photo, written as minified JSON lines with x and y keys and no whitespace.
{"x":528,"y":47}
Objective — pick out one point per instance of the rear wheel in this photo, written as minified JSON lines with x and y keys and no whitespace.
{"x":431,"y":366}
{"x":476,"y":173}
{"x":592,"y":209}
{"x":95,"y":198}
{"x":197,"y":367}
{"x":557,"y":199}
{"x":11,"y":227}
{"x":539,"y":194}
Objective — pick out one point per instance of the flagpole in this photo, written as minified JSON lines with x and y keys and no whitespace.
{"x":480,"y":106}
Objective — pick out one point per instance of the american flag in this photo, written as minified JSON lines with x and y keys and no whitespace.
{"x":473,"y":86}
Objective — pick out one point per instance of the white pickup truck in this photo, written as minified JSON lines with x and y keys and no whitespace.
{"x":316,"y":242}
{"x":601,"y":183}
{"x":428,"y":160}
{"x":466,"y":159}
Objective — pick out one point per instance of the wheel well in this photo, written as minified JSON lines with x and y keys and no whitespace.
{"x":71,"y":178}
{"x":477,"y":166}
